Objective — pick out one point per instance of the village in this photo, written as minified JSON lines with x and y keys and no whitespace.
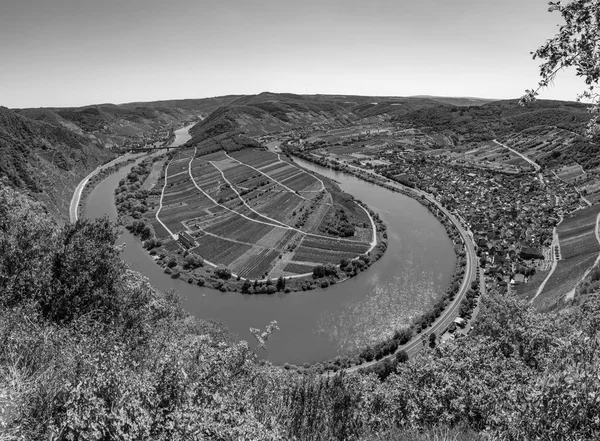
{"x":510,"y":213}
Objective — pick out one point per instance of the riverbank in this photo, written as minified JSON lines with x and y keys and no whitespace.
{"x":430,"y":325}
{"x":320,"y":324}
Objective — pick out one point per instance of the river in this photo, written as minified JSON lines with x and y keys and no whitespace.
{"x":318,"y":325}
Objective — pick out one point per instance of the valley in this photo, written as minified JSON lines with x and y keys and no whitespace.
{"x":225,"y":212}
{"x":448,"y":225}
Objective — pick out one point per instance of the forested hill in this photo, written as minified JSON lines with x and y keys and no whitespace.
{"x":462,"y":121}
{"x":497,"y":118}
{"x":129,"y":124}
{"x":45,"y":160}
{"x":257,"y":115}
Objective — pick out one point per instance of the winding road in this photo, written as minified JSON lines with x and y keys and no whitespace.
{"x":451,"y":312}
{"x":73,"y":208}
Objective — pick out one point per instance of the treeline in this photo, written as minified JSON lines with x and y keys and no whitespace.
{"x":498,"y":118}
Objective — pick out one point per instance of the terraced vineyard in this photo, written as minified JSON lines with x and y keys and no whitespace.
{"x":579,"y":250}
{"x":258,"y":214}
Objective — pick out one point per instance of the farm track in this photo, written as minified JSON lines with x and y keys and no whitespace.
{"x":269,"y":177}
{"x":221,"y":205}
{"x":281,"y":224}
{"x":372,"y":244}
{"x":280,"y":182}
{"x":555,"y":242}
{"x":535,"y":165}
{"x":160,"y":202}
{"x":571,"y":294}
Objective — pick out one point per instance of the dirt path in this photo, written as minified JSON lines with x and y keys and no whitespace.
{"x":571,"y":294}
{"x":534,"y":164}
{"x":272,"y":179}
{"x":555,"y":243}
{"x":160,"y":202}
{"x":374,"y":229}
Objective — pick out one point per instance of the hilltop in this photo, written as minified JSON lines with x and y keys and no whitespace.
{"x":257,"y":115}
{"x":130,"y":124}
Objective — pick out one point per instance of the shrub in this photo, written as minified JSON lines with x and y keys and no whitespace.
{"x":223,"y":273}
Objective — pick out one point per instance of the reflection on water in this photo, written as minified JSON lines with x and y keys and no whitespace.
{"x":387,"y":305}
{"x":318,"y":325}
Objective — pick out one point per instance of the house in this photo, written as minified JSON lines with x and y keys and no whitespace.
{"x":519,"y":279}
{"x":460,"y":322}
{"x":186,"y":240}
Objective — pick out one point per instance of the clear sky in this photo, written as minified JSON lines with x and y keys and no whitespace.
{"x":77,"y":52}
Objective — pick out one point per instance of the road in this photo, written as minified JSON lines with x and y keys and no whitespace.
{"x":451,"y":312}
{"x":181,"y":136}
{"x":555,"y":258}
{"x":79,"y":189}
{"x":534,"y":164}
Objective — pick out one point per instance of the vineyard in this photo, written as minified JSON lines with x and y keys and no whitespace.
{"x":495,"y":156}
{"x":579,"y":250}
{"x":257,"y":214}
{"x":577,"y":233}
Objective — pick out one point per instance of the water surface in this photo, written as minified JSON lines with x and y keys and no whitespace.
{"x":318,"y":325}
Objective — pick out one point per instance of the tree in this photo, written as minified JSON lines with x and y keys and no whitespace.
{"x":280,"y":283}
{"x":401,"y":356}
{"x":86,"y":272}
{"x":223,"y":272}
{"x":432,"y":339}
{"x":576,"y":45}
{"x":27,"y":240}
{"x":246,"y":286}
{"x":193,"y":261}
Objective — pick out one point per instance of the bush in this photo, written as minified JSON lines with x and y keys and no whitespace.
{"x":192,"y":261}
{"x":223,"y":273}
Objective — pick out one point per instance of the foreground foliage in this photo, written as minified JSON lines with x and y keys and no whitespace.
{"x":575,"y":45}
{"x":88,"y":350}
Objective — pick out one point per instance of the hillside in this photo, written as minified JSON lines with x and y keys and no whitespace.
{"x":266,"y":113}
{"x":46,"y":160}
{"x":130,"y":124}
{"x":89,"y":350}
{"x":465,"y":125}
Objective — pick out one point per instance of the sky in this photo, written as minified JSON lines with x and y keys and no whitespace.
{"x":64,"y":53}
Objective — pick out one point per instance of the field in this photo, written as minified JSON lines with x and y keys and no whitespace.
{"x":571,"y":173}
{"x":540,"y":142}
{"x":567,"y":275}
{"x":492,"y":155}
{"x":579,"y":249}
{"x":577,"y":233}
{"x":529,"y":289}
{"x":258,"y":214}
